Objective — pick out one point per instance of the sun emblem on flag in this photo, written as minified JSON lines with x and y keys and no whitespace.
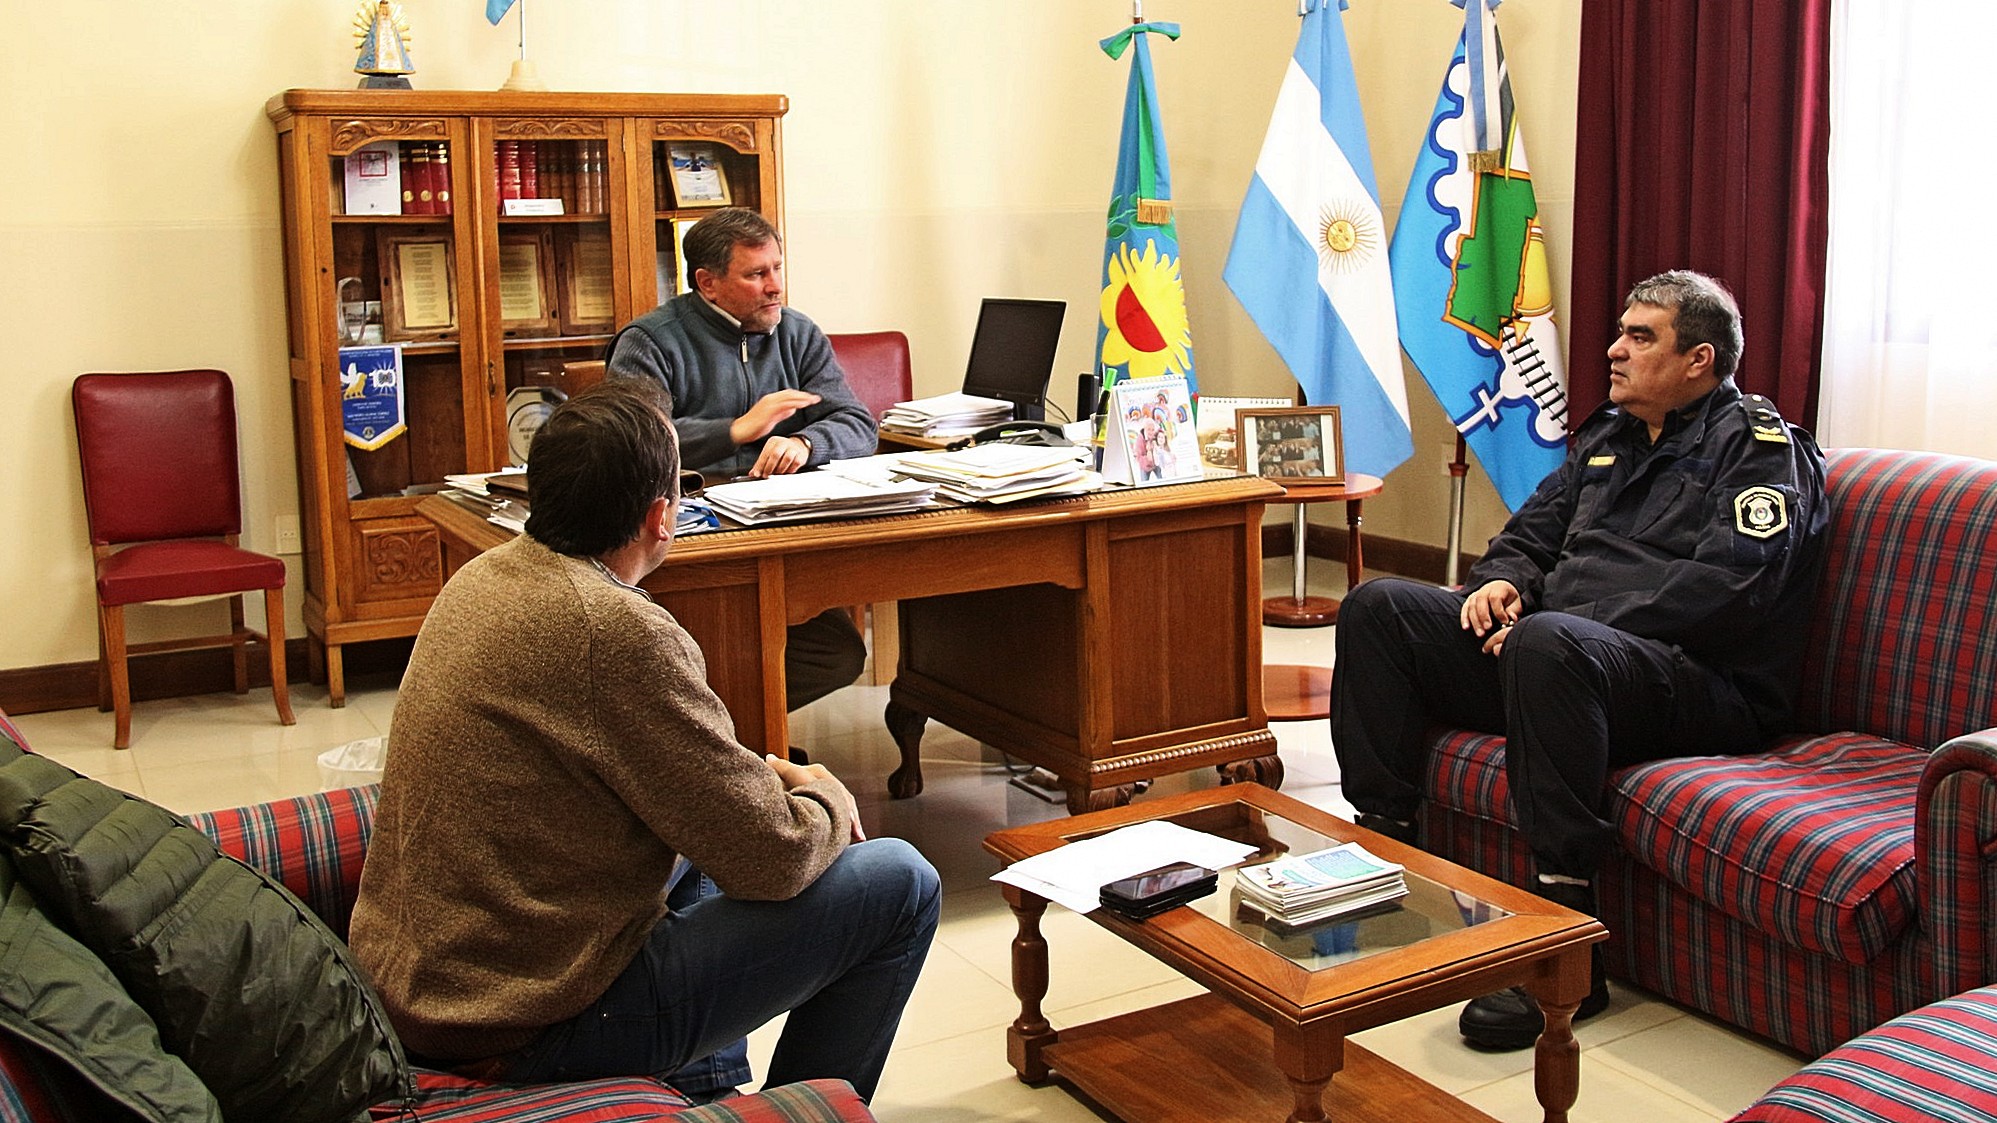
{"x":1348,"y":235}
{"x":1144,"y":312}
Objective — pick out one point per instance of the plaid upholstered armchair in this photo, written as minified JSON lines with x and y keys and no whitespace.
{"x":313,"y":846}
{"x":1849,"y":873}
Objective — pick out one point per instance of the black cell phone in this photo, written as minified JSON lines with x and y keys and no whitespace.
{"x":1154,"y":891}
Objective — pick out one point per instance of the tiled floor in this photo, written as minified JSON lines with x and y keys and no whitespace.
{"x":1645,"y":1059}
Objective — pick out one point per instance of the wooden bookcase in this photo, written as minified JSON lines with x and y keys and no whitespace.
{"x":372,"y":565}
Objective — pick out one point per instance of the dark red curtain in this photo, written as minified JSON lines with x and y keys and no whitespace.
{"x":1703,"y":143}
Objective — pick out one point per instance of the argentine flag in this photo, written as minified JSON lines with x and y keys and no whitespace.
{"x":1309,"y":260}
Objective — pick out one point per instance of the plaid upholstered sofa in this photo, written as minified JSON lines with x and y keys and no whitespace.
{"x":313,"y":845}
{"x":1937,"y":1064}
{"x":1849,"y":873}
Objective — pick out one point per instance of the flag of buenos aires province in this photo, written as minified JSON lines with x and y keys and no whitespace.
{"x":1471,"y":283}
{"x":1144,"y":330}
{"x":1309,"y":259}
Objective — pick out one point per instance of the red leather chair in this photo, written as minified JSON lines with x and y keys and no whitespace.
{"x":877,"y":367}
{"x":164,"y":504}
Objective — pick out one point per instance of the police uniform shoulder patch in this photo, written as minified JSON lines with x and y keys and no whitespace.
{"x":1760,"y":512}
{"x":1763,"y":421}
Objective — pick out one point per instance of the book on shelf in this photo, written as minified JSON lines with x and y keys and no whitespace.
{"x":1301,"y":888}
{"x":373,"y":175}
{"x":440,"y":172}
{"x":506,"y":160}
{"x":530,"y":169}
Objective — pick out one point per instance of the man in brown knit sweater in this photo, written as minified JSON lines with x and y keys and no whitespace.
{"x":556,"y":757}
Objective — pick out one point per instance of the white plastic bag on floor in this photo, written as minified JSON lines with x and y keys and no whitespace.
{"x":363,"y":756}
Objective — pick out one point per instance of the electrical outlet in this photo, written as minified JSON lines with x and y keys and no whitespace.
{"x":287,"y":535}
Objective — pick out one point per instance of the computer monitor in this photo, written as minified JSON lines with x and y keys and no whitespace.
{"x":1012,"y":353}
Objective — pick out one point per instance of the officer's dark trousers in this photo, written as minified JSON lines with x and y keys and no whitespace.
{"x":1574,"y":700}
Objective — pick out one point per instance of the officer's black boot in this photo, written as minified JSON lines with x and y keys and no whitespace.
{"x":1510,"y":1019}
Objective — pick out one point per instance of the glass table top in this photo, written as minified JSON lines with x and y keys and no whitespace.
{"x":1429,"y":909}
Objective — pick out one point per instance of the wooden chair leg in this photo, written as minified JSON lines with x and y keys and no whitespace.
{"x":280,"y":686}
{"x":111,"y":626}
{"x":103,"y":667}
{"x":239,"y":644}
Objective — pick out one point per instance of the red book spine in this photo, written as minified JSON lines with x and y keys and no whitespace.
{"x":599,"y":156}
{"x":407,"y":154}
{"x":562,"y":165}
{"x":530,"y":169}
{"x":508,"y":159}
{"x":440,"y":167}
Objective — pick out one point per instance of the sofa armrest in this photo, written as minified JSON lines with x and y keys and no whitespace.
{"x":808,"y":1101}
{"x":1955,"y":851}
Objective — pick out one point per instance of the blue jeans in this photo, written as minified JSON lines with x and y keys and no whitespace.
{"x":840,"y":957}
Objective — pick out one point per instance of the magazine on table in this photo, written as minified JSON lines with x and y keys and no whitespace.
{"x":1301,"y":887}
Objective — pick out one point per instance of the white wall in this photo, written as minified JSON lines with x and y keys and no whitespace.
{"x":935,"y":153}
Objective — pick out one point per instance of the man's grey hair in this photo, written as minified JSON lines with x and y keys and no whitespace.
{"x":1703,"y":311}
{"x":710,"y":243}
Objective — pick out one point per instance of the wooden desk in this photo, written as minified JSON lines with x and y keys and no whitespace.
{"x":1108,"y":638}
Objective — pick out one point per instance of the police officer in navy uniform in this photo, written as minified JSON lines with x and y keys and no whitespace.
{"x":1649,"y":600}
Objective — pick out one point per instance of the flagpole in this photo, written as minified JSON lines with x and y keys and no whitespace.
{"x":524,"y":76}
{"x":1458,"y":468}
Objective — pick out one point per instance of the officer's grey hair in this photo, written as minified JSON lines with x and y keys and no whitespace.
{"x":1703,"y":311}
{"x":710,"y":243}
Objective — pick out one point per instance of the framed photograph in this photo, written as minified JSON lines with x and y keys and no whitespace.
{"x":527,"y":282}
{"x":700,"y":179}
{"x":1295,"y":443}
{"x":583,"y":262}
{"x":419,"y":292}
{"x":1220,"y":441}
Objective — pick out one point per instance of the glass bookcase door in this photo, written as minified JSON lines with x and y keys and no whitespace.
{"x":690,"y":178}
{"x":399,"y":318}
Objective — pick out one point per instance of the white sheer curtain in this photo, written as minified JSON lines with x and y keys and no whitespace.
{"x":1910,"y":335}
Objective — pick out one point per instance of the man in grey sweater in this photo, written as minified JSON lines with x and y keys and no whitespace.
{"x":755,"y":391}
{"x":556,"y":759}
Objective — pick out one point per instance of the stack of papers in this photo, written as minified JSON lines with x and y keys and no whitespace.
{"x":816,"y":495}
{"x":1002,"y":473}
{"x":946,"y":415}
{"x":481,"y":483}
{"x":1306,"y":887}
{"x":1073,"y":875}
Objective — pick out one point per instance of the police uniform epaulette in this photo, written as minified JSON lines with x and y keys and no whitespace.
{"x":1762,"y":419}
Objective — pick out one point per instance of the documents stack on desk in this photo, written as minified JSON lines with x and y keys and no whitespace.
{"x":1002,"y":473}
{"x":500,"y":495}
{"x":1324,"y":883}
{"x":816,"y":495}
{"x":946,"y":415}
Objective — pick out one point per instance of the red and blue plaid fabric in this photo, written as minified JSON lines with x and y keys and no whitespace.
{"x":1813,"y":843}
{"x":1900,"y":638}
{"x":35,"y":1089}
{"x":803,"y":1102}
{"x":1937,"y":1064}
{"x":312,"y":844}
{"x":446,"y":1098}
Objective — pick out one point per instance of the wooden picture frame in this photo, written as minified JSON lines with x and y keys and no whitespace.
{"x":583,"y":263}
{"x":527,"y":282}
{"x":699,"y":174}
{"x":419,"y":286}
{"x":1294,"y":443}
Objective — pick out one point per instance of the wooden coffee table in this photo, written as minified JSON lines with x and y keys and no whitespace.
{"x":1457,"y":935}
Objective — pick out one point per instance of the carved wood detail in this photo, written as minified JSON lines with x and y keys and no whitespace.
{"x":556,"y":128}
{"x":739,"y":135}
{"x":349,"y":135}
{"x":401,"y":562}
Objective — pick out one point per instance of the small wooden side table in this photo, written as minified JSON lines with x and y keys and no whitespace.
{"x":1298,"y":610}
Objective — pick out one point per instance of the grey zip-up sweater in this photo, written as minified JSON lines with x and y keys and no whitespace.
{"x":715,"y":371}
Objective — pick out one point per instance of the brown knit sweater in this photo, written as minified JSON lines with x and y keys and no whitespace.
{"x":554,"y":746}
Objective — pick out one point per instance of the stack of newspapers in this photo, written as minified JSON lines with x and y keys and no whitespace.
{"x":946,"y":415}
{"x":1002,"y":473}
{"x":1305,"y":887}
